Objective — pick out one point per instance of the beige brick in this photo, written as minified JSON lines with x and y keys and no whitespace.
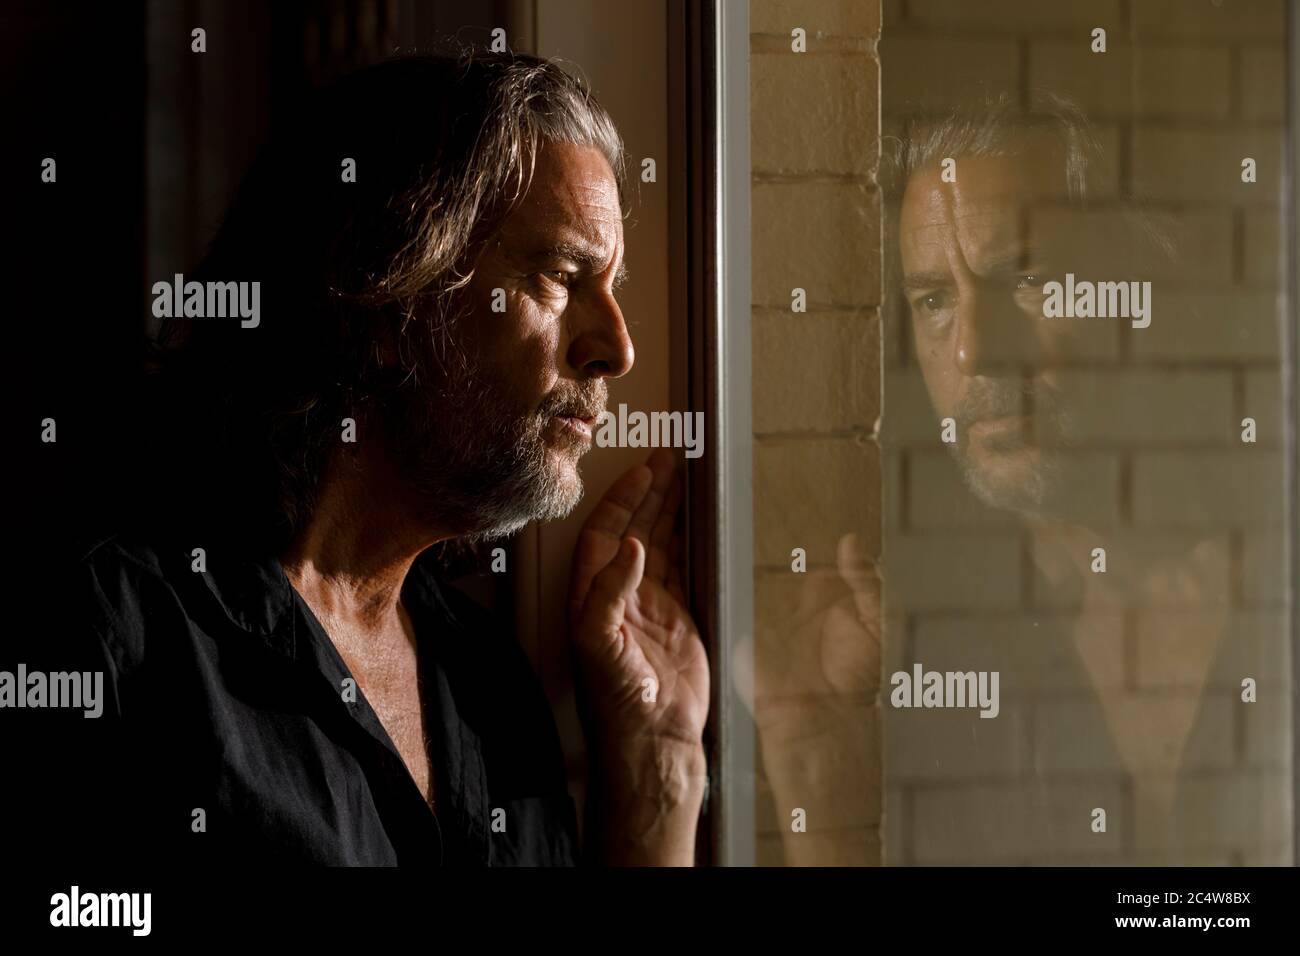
{"x":1182,"y":858}
{"x":1234,"y":809}
{"x":1035,"y":655}
{"x":1205,"y":19}
{"x":1103,"y":243}
{"x":820,"y":237}
{"x":895,"y":827}
{"x":970,"y":66}
{"x":1104,"y":173}
{"x":769,"y":850}
{"x":1278,"y":854}
{"x":893,"y":492}
{"x":953,"y":745}
{"x":790,"y":606}
{"x":1209,"y":326}
{"x":817,"y":372}
{"x":1078,"y":736}
{"x":817,"y":777}
{"x":1249,"y":644}
{"x":1264,"y":404}
{"x":810,"y":492}
{"x":1155,"y":81}
{"x":858,"y":846}
{"x":939,"y":572}
{"x":1136,"y":406}
{"x":908,"y":419}
{"x":1263,"y":254}
{"x":897,"y":327}
{"x":1139,"y":569}
{"x":814,"y":114}
{"x":1263,"y":83}
{"x":1204,"y":165}
{"x":1016,"y":15}
{"x":856,"y":18}
{"x":1263,"y":569}
{"x":1207,"y":489}
{"x":1268,"y":731}
{"x":1011,"y":824}
{"x":938,"y":498}
{"x":1089,"y":341}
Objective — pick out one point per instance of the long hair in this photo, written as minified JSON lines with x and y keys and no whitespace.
{"x":440,"y":150}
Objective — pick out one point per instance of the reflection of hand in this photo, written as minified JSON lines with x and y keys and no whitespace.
{"x":825,"y":651}
{"x":815,"y":678}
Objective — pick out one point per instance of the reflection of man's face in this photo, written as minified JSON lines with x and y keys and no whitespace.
{"x":973,"y":276}
{"x":498,"y":442}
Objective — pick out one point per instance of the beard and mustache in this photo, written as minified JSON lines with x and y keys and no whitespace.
{"x":1035,"y":485}
{"x":477,"y":458}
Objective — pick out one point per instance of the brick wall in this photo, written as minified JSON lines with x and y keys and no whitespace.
{"x":1186,"y":89}
{"x":816,"y":220}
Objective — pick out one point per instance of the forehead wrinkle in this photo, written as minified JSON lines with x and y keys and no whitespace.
{"x":987,"y":238}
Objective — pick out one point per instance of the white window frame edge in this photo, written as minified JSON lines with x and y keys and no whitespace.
{"x":736,"y":433}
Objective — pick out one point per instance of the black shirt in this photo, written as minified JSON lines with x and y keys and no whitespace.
{"x":223,"y":694}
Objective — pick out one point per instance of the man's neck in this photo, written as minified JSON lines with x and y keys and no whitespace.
{"x":349,"y":562}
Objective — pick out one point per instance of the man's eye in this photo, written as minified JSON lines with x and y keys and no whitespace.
{"x":1030,"y":282}
{"x":934,"y":302}
{"x":556,"y":277}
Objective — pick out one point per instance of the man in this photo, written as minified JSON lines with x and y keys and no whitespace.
{"x":972,"y":260}
{"x":438,"y":243}
{"x":978,"y":257}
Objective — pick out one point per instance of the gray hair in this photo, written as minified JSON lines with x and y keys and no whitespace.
{"x":445,"y":149}
{"x":995,"y":125}
{"x":991,"y":126}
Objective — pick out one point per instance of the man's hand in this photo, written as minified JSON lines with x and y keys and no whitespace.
{"x":643,"y":672}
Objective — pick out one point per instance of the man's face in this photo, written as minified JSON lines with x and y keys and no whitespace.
{"x":973,"y":276}
{"x":538,"y":334}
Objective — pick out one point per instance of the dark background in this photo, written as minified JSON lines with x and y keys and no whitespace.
{"x":150,"y":140}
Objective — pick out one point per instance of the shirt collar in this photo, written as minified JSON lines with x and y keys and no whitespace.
{"x":255,"y":594}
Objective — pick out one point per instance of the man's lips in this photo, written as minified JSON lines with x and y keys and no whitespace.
{"x":998,"y":428}
{"x":581,"y":424}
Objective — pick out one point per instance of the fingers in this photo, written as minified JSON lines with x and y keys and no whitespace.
{"x":859,"y":574}
{"x":604,"y":528}
{"x":661,"y":464}
{"x":602,"y":614}
{"x":661,"y":555}
{"x":615,"y":510}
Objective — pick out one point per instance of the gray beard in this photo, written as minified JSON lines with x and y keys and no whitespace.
{"x":1038,"y":495}
{"x":1044,"y":491}
{"x":478,"y":462}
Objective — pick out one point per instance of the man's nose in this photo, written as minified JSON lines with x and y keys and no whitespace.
{"x":600,"y":346}
{"x":993,"y":333}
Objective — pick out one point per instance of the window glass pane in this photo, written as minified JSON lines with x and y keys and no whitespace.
{"x":1022,"y":593}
